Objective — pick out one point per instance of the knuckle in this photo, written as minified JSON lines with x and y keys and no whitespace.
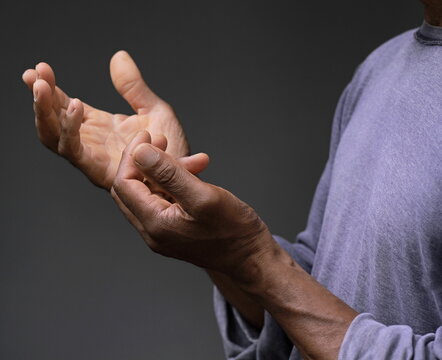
{"x":62,"y":149}
{"x":127,"y":86}
{"x":117,"y":186}
{"x":208,"y":200}
{"x":156,"y":231}
{"x":165,"y":172}
{"x":167,"y":107}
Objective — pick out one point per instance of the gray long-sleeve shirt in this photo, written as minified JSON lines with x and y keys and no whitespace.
{"x":374,"y":233}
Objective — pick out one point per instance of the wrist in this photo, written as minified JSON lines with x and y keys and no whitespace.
{"x":313,"y":318}
{"x":260,"y":275}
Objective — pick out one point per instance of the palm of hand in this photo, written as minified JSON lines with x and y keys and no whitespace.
{"x":104,"y":136}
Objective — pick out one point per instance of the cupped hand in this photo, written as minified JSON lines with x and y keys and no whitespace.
{"x":92,"y":139}
{"x":184,"y":217}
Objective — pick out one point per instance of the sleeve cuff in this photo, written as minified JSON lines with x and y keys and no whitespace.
{"x":367,"y":338}
{"x":239,"y":338}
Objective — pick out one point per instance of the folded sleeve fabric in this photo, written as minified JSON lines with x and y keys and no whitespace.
{"x":241,"y":340}
{"x":367,"y":339}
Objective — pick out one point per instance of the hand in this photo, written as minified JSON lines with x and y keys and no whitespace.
{"x":92,"y":139}
{"x":189,"y":219}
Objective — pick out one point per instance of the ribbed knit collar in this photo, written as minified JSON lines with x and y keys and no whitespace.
{"x":429,"y":35}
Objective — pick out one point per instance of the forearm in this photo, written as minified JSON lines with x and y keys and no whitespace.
{"x":248,"y":307}
{"x":313,"y":318}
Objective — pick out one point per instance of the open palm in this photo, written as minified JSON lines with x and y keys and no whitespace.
{"x":92,"y":139}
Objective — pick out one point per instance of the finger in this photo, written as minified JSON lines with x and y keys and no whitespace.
{"x":127,"y":213}
{"x":195,"y":163}
{"x":70,"y":145}
{"x":42,"y":98}
{"x":129,"y":83}
{"x":46,"y":73}
{"x":127,"y":169}
{"x":47,"y":125}
{"x":29,"y":77}
{"x":160,"y":141}
{"x":163,"y":170}
{"x":129,"y":186}
{"x":64,"y":99}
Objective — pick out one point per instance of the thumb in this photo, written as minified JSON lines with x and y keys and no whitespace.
{"x":170,"y":175}
{"x":129,"y":83}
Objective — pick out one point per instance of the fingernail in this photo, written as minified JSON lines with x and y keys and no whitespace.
{"x":35,"y":95}
{"x":145,"y":156}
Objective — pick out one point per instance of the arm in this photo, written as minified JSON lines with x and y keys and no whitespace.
{"x":313,"y":318}
{"x":324,"y":327}
{"x":209,"y":227}
{"x":233,"y":328}
{"x":247,"y":306}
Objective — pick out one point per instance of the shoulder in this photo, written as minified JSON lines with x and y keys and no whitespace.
{"x":385,"y":53}
{"x":366,"y":72}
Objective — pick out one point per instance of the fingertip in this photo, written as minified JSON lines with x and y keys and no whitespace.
{"x":40,"y":83}
{"x":119,"y":55}
{"x":45,"y":72}
{"x":42,"y":66}
{"x":76,"y":103}
{"x":201,"y":157}
{"x":121,"y":52}
{"x":159,"y":141}
{"x":40,"y":87}
{"x":195,"y":163}
{"x":143,"y":136}
{"x":204,"y":156}
{"x":29,"y":76}
{"x":36,"y":89}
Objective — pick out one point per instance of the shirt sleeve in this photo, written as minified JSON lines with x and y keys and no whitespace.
{"x":368,"y":339}
{"x":242,"y":341}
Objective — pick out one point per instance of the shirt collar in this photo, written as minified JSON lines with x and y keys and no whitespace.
{"x":430,"y":33}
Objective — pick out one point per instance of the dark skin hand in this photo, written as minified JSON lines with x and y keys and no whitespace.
{"x":208,"y":226}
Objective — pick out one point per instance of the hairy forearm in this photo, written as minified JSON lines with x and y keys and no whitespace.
{"x":248,"y":307}
{"x":313,"y":318}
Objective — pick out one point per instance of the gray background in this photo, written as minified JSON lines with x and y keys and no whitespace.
{"x":255,"y":84}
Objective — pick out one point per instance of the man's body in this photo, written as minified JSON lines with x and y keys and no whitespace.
{"x":374,"y":236}
{"x":374,"y":233}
